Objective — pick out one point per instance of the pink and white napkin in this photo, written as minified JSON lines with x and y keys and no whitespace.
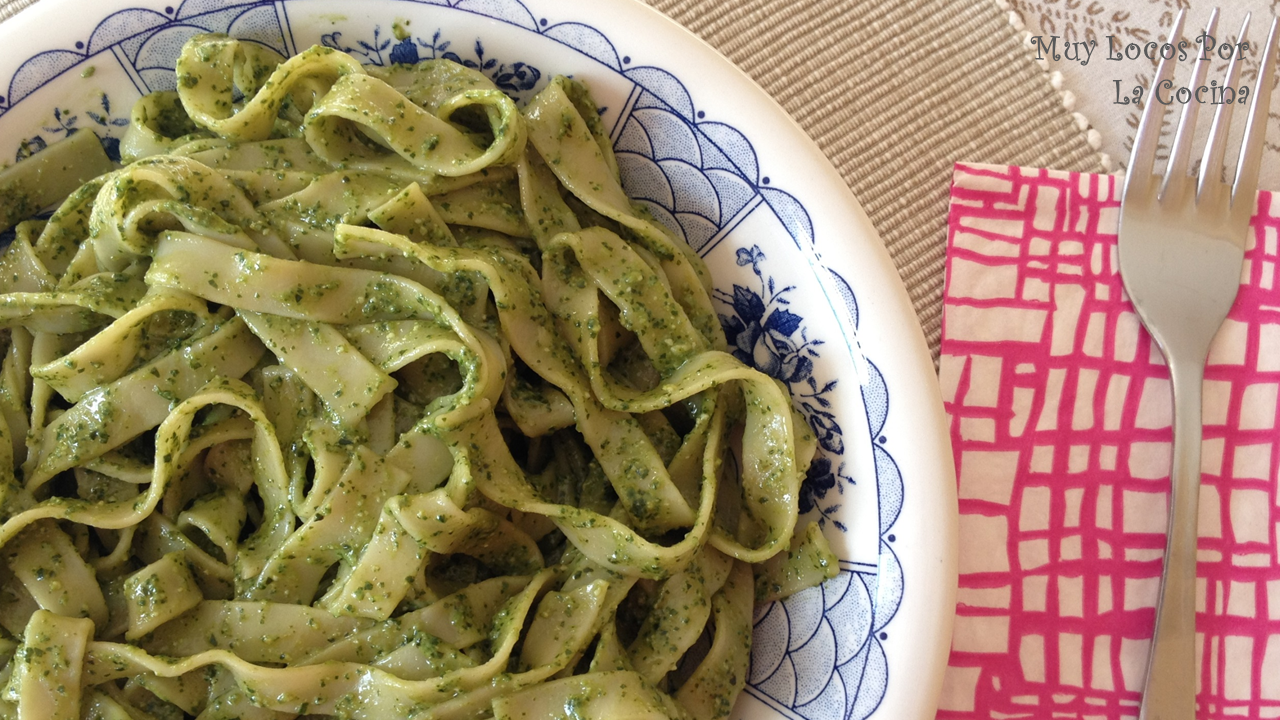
{"x":1060,"y":411}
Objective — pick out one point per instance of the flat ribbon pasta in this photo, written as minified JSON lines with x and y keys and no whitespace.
{"x":363,"y":392}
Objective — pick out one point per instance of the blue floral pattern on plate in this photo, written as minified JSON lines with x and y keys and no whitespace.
{"x":819,"y":654}
{"x":66,"y":122}
{"x":516,"y":79}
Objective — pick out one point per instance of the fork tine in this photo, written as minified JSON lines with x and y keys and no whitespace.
{"x":1147,"y":139}
{"x":1216,"y":147}
{"x":1180,"y":156}
{"x":1255,"y":130}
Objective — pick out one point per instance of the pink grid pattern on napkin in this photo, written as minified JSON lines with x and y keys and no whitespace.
{"x":1060,"y":419}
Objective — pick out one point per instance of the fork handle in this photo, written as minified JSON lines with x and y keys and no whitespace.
{"x":1170,"y":691}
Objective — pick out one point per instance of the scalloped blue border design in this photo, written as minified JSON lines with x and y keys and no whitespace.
{"x":661,"y":140}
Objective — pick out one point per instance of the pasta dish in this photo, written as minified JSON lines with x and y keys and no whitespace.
{"x":361,"y":392}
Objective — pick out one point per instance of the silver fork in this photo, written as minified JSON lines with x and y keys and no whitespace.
{"x":1182,"y":243}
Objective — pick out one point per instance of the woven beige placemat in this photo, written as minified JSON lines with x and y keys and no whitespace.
{"x":894,"y":92}
{"x":8,"y":9}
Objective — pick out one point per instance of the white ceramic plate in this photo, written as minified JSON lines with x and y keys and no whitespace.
{"x":804,"y":285}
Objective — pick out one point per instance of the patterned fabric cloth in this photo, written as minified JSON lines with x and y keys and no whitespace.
{"x":1060,"y":415}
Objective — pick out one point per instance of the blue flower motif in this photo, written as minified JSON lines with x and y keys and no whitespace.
{"x":109,"y":144}
{"x":762,"y":330}
{"x":765,"y":342}
{"x":750,"y":256}
{"x":517,"y":78}
{"x":436,"y":48}
{"x":747,"y":303}
{"x":824,"y":425}
{"x":513,"y":79}
{"x":764,"y":333}
{"x":30,"y":146}
{"x":65,"y":124}
{"x":370,"y":51}
{"x":821,"y":479}
{"x":405,"y":52}
{"x":817,"y":483}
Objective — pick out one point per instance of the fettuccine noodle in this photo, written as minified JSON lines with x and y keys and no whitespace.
{"x":362,"y":392}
